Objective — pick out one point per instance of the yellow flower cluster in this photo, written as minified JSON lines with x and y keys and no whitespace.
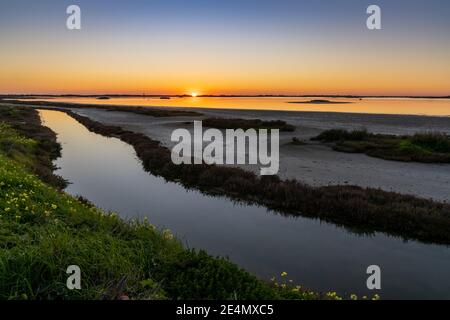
{"x":331,"y":295}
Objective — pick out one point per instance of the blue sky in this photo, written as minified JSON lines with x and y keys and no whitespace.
{"x":250,"y":33}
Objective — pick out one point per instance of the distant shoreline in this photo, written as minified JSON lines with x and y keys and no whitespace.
{"x":40,"y":103}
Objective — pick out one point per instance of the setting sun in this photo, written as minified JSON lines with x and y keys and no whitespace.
{"x":194,"y":94}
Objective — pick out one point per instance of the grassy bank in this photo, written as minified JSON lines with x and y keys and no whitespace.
{"x":43,"y":231}
{"x":421,"y":147}
{"x":45,"y":149}
{"x":359,"y":209}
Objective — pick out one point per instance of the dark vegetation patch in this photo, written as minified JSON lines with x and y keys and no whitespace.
{"x":359,"y":209}
{"x":421,"y":147}
{"x":221,"y":123}
{"x":148,"y":111}
{"x":297,"y":142}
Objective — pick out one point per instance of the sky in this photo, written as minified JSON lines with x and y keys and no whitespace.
{"x":225,"y":47}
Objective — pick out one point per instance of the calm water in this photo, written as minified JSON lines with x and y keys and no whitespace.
{"x":318,"y":255}
{"x":432,"y":107}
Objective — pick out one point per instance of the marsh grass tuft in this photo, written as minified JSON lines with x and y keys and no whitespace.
{"x":297,"y":142}
{"x":245,"y":124}
{"x":421,"y":147}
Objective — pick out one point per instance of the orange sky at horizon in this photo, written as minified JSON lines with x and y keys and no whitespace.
{"x":47,"y":80}
{"x":41,"y":71}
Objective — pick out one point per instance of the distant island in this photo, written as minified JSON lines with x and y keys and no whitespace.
{"x":320,"y":102}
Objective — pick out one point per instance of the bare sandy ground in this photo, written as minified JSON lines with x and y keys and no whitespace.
{"x":314,"y":163}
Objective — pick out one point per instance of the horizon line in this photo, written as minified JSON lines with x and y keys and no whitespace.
{"x":9,"y":95}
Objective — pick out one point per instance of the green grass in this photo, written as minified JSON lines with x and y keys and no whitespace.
{"x":43,"y":231}
{"x":421,"y":147}
{"x":433,"y":142}
{"x":19,"y":123}
{"x":16,"y":146}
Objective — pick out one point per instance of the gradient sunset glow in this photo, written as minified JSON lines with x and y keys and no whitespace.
{"x":225,"y":47}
